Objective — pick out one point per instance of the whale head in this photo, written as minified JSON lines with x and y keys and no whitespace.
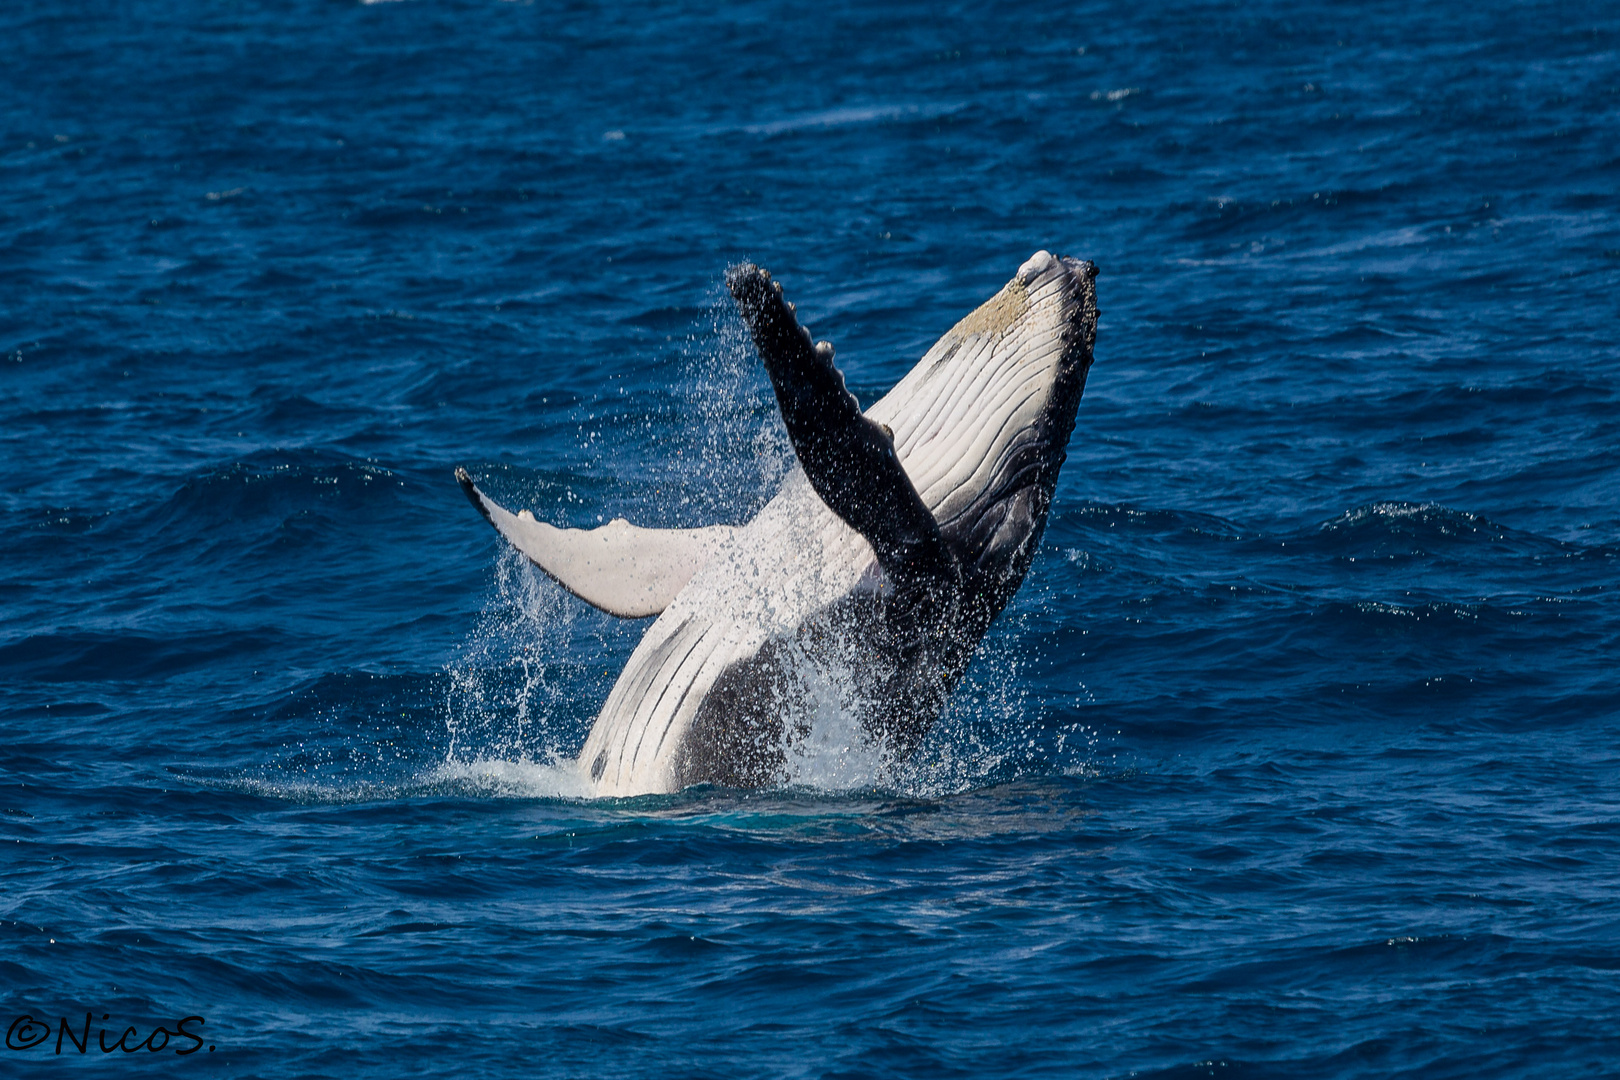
{"x":982,"y":423}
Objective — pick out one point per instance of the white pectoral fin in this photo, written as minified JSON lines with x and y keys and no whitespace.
{"x":624,"y":570}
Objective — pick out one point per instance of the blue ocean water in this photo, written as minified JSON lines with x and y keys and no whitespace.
{"x":1298,"y":755}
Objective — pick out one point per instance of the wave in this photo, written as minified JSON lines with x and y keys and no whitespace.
{"x":89,"y":656}
{"x":847,"y":116}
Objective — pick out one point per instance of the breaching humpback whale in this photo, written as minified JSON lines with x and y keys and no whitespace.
{"x":873,"y":572}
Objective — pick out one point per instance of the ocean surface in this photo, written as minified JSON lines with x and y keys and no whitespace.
{"x":1298,"y":755}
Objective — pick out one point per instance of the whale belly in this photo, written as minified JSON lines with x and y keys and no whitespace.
{"x":725,"y":635}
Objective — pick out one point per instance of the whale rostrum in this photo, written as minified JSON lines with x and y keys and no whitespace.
{"x":873,"y":572}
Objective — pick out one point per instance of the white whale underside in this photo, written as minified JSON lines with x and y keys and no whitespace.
{"x":955,"y":417}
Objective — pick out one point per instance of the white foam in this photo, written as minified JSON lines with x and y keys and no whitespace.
{"x":558,"y":778}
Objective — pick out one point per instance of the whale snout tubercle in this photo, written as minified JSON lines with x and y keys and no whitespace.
{"x":1034,"y":266}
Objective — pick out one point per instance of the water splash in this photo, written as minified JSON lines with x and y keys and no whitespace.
{"x":729,"y":452}
{"x":506,"y":692}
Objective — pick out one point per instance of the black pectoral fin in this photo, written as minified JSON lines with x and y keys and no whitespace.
{"x":849,"y":459}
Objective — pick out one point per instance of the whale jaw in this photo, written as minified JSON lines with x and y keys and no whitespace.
{"x":983,"y":421}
